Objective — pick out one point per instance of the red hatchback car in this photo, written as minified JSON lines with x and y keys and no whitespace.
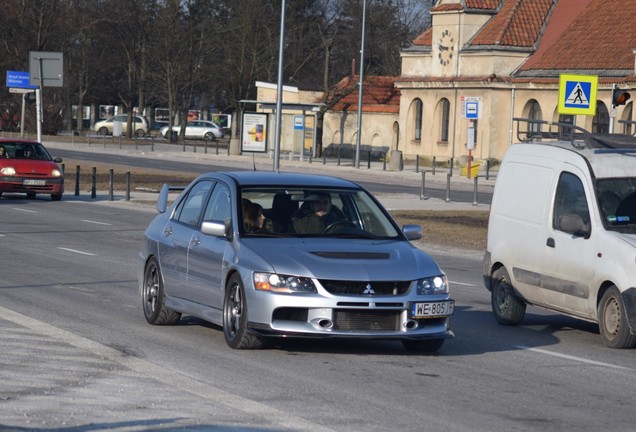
{"x":27,"y":167}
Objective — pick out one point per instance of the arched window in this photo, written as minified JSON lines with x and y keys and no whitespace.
{"x":564,"y":131}
{"x":535,"y":114}
{"x":626,"y":122}
{"x":600,"y":122}
{"x":419,"y":106}
{"x":445,"y":120}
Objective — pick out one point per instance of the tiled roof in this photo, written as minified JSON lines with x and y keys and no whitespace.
{"x":518,"y":24}
{"x":379,"y":94}
{"x":467,"y":4}
{"x":562,"y":35}
{"x":601,"y":37}
{"x":425,"y":38}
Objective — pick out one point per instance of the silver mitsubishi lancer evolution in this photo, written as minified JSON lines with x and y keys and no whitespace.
{"x":268,"y":255}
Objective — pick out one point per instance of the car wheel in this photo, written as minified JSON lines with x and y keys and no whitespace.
{"x":30,"y":195}
{"x":508,"y":308}
{"x":237,"y":335}
{"x":209,"y":136}
{"x":140,"y":133}
{"x":153,"y":295}
{"x":425,"y":345}
{"x":612,"y":321}
{"x":56,"y":197}
{"x":102,"y":131}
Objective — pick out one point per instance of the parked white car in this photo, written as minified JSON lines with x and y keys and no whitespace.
{"x":105,"y":127}
{"x":197,"y":129}
{"x":562,"y":232}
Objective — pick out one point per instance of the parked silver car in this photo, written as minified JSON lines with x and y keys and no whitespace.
{"x":197,"y":129}
{"x":293,"y":255}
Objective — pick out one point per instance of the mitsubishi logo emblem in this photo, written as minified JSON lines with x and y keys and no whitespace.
{"x":368,"y":289}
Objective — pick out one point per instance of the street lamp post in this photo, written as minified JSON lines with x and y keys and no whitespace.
{"x":361,"y":77}
{"x":279,"y":94}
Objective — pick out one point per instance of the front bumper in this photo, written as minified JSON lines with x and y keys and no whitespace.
{"x":316,"y":316}
{"x":13,"y":184}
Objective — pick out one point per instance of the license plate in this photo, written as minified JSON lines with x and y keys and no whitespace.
{"x":31,"y":182}
{"x":432,"y":309}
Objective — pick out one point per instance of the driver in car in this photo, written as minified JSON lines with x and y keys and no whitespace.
{"x":315,"y":215}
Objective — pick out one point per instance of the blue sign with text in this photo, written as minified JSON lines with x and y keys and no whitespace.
{"x":19,"y":80}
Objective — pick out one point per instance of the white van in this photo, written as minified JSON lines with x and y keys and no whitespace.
{"x":562,"y":233}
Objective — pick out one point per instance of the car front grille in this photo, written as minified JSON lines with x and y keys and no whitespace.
{"x":348,"y":319}
{"x":365,"y":288}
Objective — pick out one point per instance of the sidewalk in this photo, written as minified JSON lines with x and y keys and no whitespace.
{"x":376,"y":171}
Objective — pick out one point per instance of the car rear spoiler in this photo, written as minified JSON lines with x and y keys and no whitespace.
{"x":162,"y":201}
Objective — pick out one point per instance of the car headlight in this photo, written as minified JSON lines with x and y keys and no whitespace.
{"x":283,"y":283}
{"x":432,"y":285}
{"x":8,"y":171}
{"x":56,"y":173}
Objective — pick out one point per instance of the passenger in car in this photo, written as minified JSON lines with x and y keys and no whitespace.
{"x":254,"y":220}
{"x":316,"y":214}
{"x":3,"y":152}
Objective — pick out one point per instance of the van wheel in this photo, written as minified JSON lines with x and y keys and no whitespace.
{"x":508,"y":308}
{"x":612,"y":321}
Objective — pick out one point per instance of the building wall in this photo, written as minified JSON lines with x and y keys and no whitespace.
{"x":379,"y":130}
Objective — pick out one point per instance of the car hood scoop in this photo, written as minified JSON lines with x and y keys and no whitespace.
{"x":354,"y":255}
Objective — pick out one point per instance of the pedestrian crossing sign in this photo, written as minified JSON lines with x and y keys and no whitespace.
{"x":577,"y":94}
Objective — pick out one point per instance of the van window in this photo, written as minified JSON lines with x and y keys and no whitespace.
{"x":570,"y":200}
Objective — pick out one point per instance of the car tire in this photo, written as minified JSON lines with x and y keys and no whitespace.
{"x":612,"y":321}
{"x":209,"y":136}
{"x":153,"y":297}
{"x":102,"y":131}
{"x":56,"y":197}
{"x":508,"y":308}
{"x":237,"y":335}
{"x":425,"y":345}
{"x":140,"y":133}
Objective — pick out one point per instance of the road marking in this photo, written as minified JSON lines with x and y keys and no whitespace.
{"x":462,"y":283}
{"x":167,"y":376}
{"x":23,"y":210}
{"x":77,"y":251}
{"x":94,"y":222}
{"x":569,"y":357}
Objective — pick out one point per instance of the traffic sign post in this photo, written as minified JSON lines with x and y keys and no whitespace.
{"x":577,"y":94}
{"x":19,"y":82}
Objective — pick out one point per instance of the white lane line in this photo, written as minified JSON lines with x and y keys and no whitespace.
{"x":175,"y":380}
{"x":574,"y":358}
{"x":76,"y":251}
{"x":23,"y":210}
{"x":94,"y":222}
{"x":461,"y":283}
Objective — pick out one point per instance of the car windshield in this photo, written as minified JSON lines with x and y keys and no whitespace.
{"x":25,"y":150}
{"x":617,"y":202}
{"x":312,"y":212}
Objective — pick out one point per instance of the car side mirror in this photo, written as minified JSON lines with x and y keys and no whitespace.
{"x":215,"y":228}
{"x":412,"y":232}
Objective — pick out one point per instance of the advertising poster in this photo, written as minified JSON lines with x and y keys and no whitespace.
{"x":254,"y":132}
{"x":194,"y":115}
{"x":106,"y":111}
{"x":162,"y":115}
